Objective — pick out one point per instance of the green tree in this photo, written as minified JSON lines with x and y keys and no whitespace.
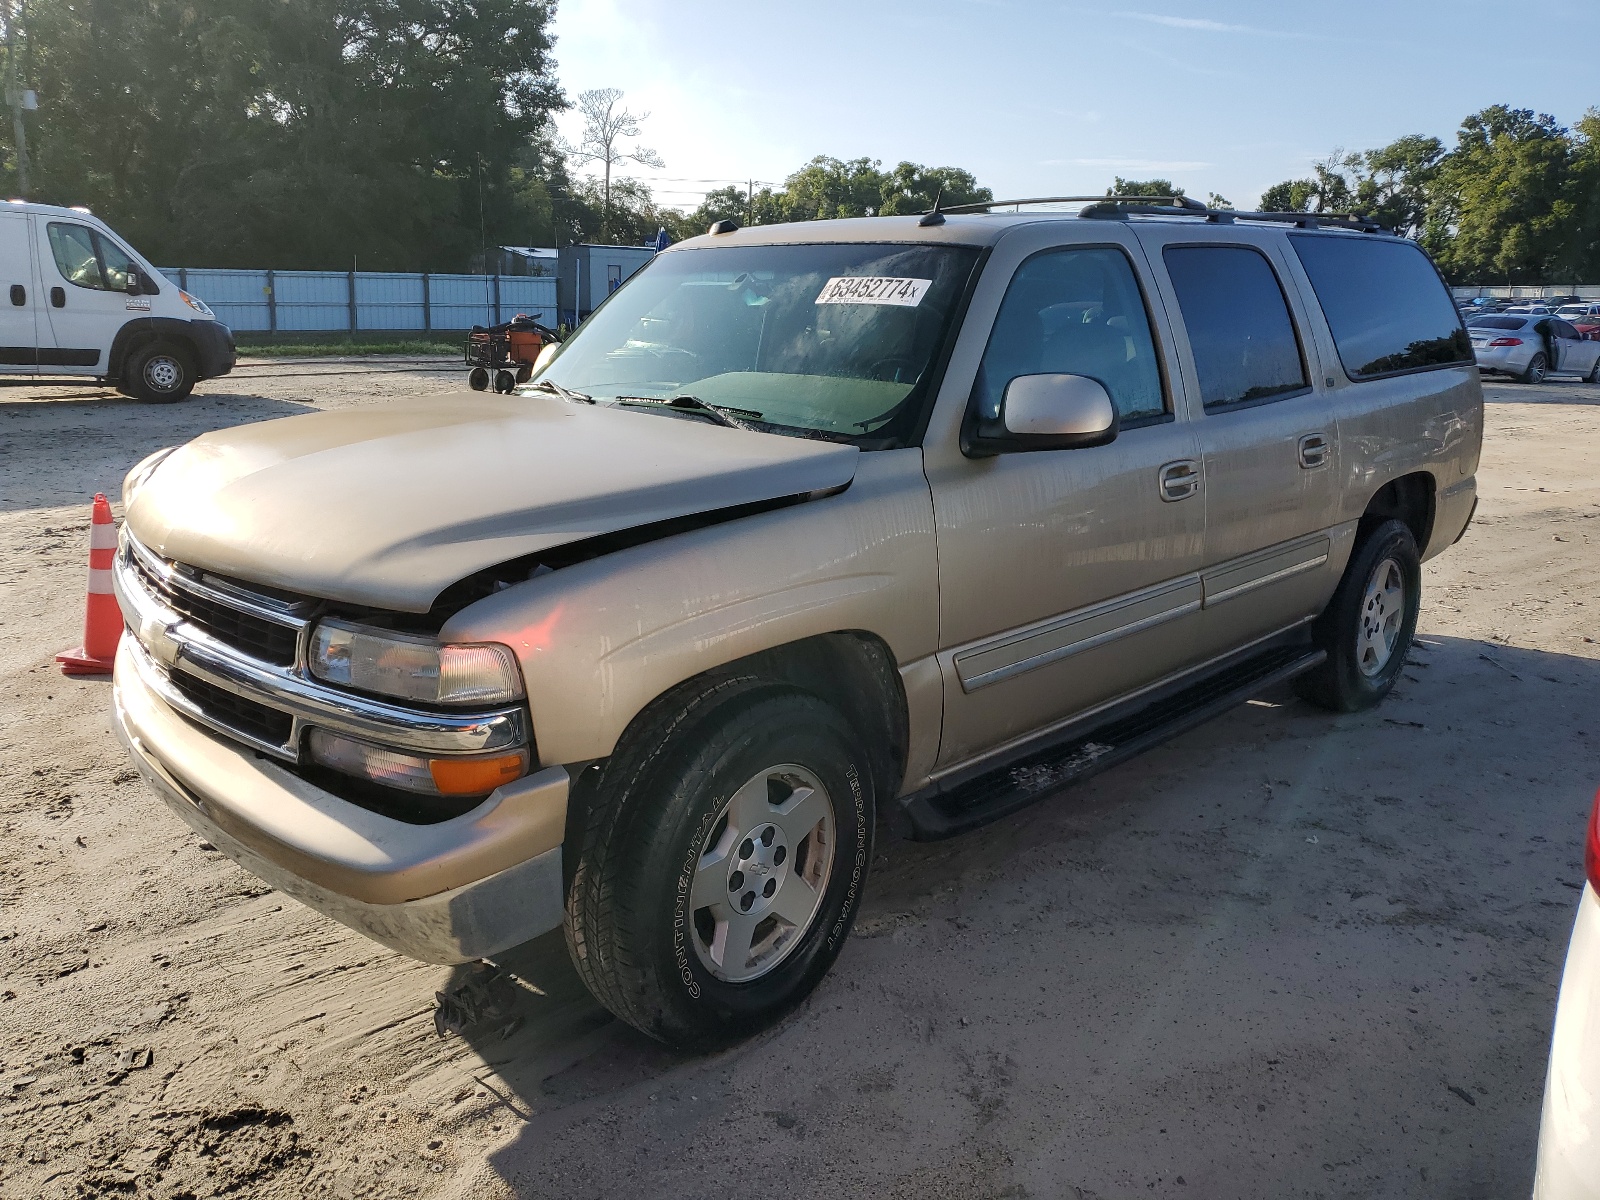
{"x":296,"y":133}
{"x":1580,"y":253}
{"x":911,"y":188}
{"x":1501,"y":198}
{"x":1143,"y":187}
{"x":1395,"y":183}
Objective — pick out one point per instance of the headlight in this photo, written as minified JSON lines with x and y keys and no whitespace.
{"x":413,"y":668}
{"x":142,"y":470}
{"x":196,"y":303}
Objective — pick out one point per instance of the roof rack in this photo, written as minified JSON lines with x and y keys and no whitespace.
{"x":1116,"y":207}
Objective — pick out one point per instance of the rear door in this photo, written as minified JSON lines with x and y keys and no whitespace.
{"x":85,"y":275}
{"x":19,"y":298}
{"x":1266,"y":429}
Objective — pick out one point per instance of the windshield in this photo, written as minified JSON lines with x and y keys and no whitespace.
{"x":833,"y":341}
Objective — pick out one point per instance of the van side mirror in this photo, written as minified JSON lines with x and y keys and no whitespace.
{"x":1047,"y":412}
{"x":135,"y":285}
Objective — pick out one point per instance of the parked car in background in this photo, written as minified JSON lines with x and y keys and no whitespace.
{"x":1568,"y":1165}
{"x":1532,"y":348}
{"x":1536,"y":310}
{"x":85,"y":306}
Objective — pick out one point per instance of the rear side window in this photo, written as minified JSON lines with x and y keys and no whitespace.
{"x":1386,"y":305}
{"x":1244,"y":344}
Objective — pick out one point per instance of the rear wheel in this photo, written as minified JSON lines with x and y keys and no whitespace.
{"x":478,"y":379}
{"x":1594,"y":371}
{"x":160,"y":373}
{"x":1368,"y":626}
{"x":1537,"y":370}
{"x":722,"y":862}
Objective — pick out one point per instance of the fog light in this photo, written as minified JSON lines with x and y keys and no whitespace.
{"x":456,"y":775}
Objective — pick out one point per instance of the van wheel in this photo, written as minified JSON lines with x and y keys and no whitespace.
{"x":159,"y":373}
{"x":1368,"y":626}
{"x":722,"y":862}
{"x":1536,"y":370}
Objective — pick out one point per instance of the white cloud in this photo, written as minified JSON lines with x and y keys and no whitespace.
{"x":1206,"y":25}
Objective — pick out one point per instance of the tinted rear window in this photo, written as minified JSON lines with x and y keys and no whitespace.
{"x":1386,"y":305}
{"x":1243,"y":339}
{"x":1497,"y":322}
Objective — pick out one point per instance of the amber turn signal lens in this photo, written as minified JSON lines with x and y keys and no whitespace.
{"x":475,"y":776}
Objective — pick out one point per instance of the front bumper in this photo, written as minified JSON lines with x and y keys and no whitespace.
{"x":449,"y":892}
{"x":1568,"y":1166}
{"x":214,"y":345}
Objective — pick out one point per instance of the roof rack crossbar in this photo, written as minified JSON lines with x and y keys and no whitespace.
{"x":1178,"y":206}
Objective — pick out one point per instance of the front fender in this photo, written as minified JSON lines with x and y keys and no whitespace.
{"x":599,"y":640}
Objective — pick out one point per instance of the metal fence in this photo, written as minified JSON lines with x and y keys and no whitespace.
{"x":353,"y":301}
{"x":1529,"y":291}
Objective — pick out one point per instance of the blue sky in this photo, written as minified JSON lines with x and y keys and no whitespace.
{"x":1039,"y":98}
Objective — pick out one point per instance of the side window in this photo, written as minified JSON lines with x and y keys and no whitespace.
{"x":73,"y":247}
{"x":1075,"y":312}
{"x":1387,"y":308}
{"x":114,"y":264}
{"x":87,"y":258}
{"x":1245,"y":348}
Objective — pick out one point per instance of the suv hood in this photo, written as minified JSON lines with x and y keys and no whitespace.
{"x":389,"y":508}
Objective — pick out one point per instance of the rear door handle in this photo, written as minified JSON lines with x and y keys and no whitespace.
{"x":1313,"y":451}
{"x":1179,"y":480}
{"x":19,"y":295}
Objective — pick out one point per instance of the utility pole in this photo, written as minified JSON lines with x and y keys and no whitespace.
{"x":750,"y":202}
{"x":15,"y":96}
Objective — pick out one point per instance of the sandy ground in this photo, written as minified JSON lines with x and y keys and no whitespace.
{"x":1289,"y":954}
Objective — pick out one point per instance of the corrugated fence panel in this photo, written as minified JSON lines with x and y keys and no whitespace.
{"x":385,"y":301}
{"x":320,"y":300}
{"x":461,"y":301}
{"x":312,"y":299}
{"x":239,"y":298}
{"x":528,"y":294}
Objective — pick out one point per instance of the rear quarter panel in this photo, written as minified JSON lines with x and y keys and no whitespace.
{"x":1428,"y":421}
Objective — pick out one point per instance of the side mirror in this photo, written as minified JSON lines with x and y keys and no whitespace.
{"x":135,"y":282}
{"x":1047,"y":412}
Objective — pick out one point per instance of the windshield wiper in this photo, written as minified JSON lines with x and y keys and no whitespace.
{"x":693,"y":404}
{"x":550,"y":385}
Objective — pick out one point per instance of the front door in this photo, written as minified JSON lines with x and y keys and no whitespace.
{"x":86,"y":282}
{"x":1066,"y":577}
{"x":19,"y":299}
{"x":1268,"y":435}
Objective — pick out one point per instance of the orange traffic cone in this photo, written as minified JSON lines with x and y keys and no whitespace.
{"x":102,"y":623}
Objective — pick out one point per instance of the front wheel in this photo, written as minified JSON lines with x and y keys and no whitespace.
{"x":1368,"y":625}
{"x":159,"y":373}
{"x":722,"y":863}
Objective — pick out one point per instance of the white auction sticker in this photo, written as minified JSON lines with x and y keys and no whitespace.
{"x":873,"y":289}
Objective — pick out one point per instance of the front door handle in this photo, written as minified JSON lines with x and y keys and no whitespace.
{"x":1179,"y":480}
{"x":1313,"y":451}
{"x":19,"y":295}
{"x":58,"y":297}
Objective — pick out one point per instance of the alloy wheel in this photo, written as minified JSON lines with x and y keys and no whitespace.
{"x":1383,"y":612}
{"x":762,"y":873}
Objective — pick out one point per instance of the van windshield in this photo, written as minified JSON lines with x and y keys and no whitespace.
{"x":834,"y":341}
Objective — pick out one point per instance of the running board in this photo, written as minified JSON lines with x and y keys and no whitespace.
{"x":942,"y":810}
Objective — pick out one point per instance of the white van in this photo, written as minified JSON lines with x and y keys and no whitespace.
{"x":83,"y":305}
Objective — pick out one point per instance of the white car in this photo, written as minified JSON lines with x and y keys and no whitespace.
{"x":83,"y":306}
{"x":1569,"y":1127}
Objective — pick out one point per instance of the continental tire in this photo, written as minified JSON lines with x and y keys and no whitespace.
{"x":722,"y":861}
{"x":1368,"y":625}
{"x":160,"y":373}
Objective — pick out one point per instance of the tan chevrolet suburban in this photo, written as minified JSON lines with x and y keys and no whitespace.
{"x":807,"y":527}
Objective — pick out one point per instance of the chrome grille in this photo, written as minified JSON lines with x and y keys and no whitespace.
{"x":261,"y":626}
